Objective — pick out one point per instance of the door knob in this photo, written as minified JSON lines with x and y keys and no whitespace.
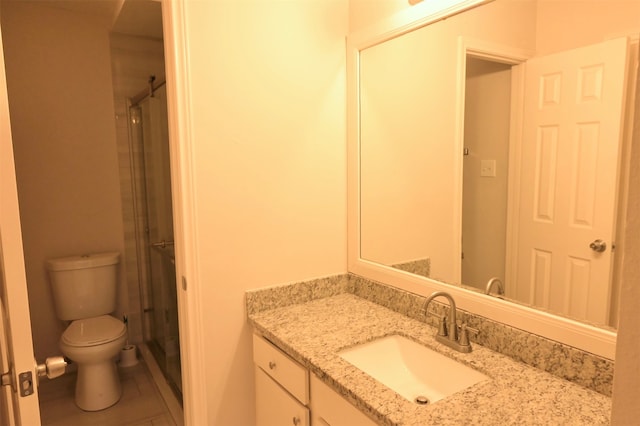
{"x":52,"y":367}
{"x":598,"y":246}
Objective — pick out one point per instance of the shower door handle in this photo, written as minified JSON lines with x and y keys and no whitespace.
{"x":162,"y":244}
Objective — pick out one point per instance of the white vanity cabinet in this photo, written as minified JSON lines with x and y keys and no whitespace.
{"x":282,"y":387}
{"x":329,"y":408}
{"x":286,"y":396}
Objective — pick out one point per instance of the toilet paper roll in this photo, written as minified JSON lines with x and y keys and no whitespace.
{"x":55,"y":366}
{"x":128,"y":356}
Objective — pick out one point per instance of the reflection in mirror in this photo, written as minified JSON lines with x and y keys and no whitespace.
{"x":484,"y":171}
{"x":523,"y":179}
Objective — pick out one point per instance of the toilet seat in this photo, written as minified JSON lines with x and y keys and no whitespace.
{"x":93,"y":331}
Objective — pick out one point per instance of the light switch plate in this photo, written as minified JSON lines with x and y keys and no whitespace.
{"x":488,"y":168}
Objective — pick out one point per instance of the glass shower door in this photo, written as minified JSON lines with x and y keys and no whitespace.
{"x":159,"y":287}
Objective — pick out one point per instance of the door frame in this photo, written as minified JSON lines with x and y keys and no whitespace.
{"x":181,"y":148}
{"x":13,"y":280}
{"x":493,"y":52}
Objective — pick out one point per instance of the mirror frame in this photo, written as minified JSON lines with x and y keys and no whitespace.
{"x":599,"y":341}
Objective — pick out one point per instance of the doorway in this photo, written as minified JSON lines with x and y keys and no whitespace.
{"x":68,"y":165}
{"x":485,"y":171}
{"x":140,"y":92}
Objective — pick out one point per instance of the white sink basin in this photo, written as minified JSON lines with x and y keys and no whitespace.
{"x":411,"y":369}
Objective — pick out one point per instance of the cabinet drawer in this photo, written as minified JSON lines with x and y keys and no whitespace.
{"x":328,"y":408}
{"x":276,"y":407}
{"x":291,"y":375}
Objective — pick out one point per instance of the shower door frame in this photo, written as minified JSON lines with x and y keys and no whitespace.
{"x":152,"y":192}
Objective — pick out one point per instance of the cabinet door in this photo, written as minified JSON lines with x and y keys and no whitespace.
{"x":285,"y":371}
{"x":275,"y":406}
{"x":328,"y":408}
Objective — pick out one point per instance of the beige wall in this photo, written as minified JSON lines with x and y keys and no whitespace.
{"x":268,"y":125}
{"x":364,"y":13}
{"x":589,"y":22}
{"x":400,"y":156}
{"x":61,"y":104}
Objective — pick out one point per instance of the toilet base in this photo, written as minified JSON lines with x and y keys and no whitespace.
{"x":97,"y":386}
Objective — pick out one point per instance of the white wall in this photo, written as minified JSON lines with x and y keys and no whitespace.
{"x":61,"y":105}
{"x":268,"y":126}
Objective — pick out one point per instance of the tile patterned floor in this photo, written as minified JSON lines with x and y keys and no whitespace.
{"x":140,"y":405}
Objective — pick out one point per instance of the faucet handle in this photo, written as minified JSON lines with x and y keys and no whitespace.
{"x":442,"y":323}
{"x":442,"y":326}
{"x":464,"y":334}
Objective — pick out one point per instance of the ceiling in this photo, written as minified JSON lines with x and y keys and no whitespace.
{"x":141,"y":18}
{"x":100,"y":8}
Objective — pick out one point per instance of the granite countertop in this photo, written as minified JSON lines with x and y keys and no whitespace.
{"x":313,"y":333}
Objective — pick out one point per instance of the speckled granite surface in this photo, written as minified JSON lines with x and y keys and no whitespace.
{"x":419,"y":267}
{"x":294,"y":293}
{"x":582,"y":368}
{"x":314,"y":331}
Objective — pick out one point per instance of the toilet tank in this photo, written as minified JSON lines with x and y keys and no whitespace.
{"x":84,"y":286}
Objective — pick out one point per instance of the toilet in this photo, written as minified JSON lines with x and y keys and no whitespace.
{"x":84,"y":293}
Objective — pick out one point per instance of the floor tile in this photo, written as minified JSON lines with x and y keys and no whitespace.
{"x":140,"y":404}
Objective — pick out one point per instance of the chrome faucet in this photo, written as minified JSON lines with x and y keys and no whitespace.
{"x":448,"y":328}
{"x":498,"y":283}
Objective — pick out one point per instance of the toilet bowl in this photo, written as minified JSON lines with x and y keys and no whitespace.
{"x":84,"y":292}
{"x":93,"y":344}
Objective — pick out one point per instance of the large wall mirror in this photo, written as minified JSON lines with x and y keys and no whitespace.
{"x":488,"y":154}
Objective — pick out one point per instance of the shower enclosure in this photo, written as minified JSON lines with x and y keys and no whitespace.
{"x":151,"y":174}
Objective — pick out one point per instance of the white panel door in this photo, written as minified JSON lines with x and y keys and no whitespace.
{"x":16,"y":320}
{"x":572,"y":130}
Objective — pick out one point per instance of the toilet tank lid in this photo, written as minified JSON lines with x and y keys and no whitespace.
{"x":83,"y":261}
